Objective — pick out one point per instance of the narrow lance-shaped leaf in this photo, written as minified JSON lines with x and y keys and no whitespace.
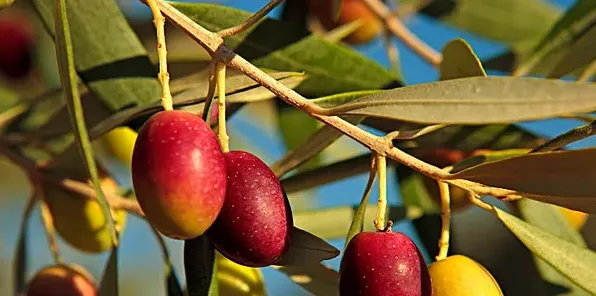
{"x":334,"y":223}
{"x":357,"y":224}
{"x":68,"y":78}
{"x":320,"y":139}
{"x":200,"y":268}
{"x":552,"y":220}
{"x":573,"y":261}
{"x":477,"y":100}
{"x":306,"y":249}
{"x":118,"y":73}
{"x":561,"y":35}
{"x":459,"y":61}
{"x":109,"y":281}
{"x":20,"y":263}
{"x":581,"y":53}
{"x":518,"y":24}
{"x":563,"y":177}
{"x":331,"y":68}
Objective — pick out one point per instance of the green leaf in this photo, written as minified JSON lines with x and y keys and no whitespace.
{"x":331,"y":68}
{"x":199,"y":266}
{"x":109,"y":57}
{"x":573,"y":261}
{"x":561,"y":35}
{"x":357,"y":224}
{"x":68,"y":78}
{"x":580,"y":54}
{"x":20,"y":263}
{"x":326,"y":174}
{"x":414,"y":194}
{"x":109,"y":281}
{"x":550,"y":219}
{"x":295,"y":127}
{"x":321,"y":138}
{"x":306,"y":249}
{"x":317,"y":279}
{"x":173,"y":287}
{"x":334,"y":223}
{"x":487,"y":157}
{"x":260,"y":93}
{"x":518,"y":24}
{"x":459,"y":61}
{"x":476,"y":100}
{"x":562,"y":177}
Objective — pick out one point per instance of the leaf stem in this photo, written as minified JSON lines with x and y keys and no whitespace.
{"x":221,"y":106}
{"x":162,"y":53}
{"x":68,"y":78}
{"x":253,"y":19}
{"x":382,"y":202}
{"x":402,"y":32}
{"x":392,"y":51}
{"x":445,"y":220}
{"x":48,"y":223}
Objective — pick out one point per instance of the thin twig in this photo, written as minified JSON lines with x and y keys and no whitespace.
{"x":221,"y":106}
{"x":253,"y":19}
{"x":48,"y":223}
{"x":402,"y":32}
{"x":588,"y":73}
{"x":214,"y":45}
{"x":392,"y":51}
{"x":163,"y":76}
{"x":210,"y":91}
{"x":382,"y":202}
{"x":573,"y":135}
{"x":445,"y":220}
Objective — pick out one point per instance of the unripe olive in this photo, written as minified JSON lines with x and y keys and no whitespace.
{"x":459,"y":275}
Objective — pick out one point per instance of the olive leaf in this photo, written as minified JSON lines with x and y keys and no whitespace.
{"x":331,"y":68}
{"x":306,"y":249}
{"x":68,"y":77}
{"x":109,"y":280}
{"x":573,"y":261}
{"x":580,"y":53}
{"x":200,"y":267}
{"x":562,"y":177}
{"x":549,"y":218}
{"x":476,"y":100}
{"x":560,"y":37}
{"x":459,"y":61}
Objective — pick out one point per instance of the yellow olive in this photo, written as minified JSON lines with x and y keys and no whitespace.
{"x":577,"y":219}
{"x":238,"y":280}
{"x":80,"y":221}
{"x":120,"y":142}
{"x":461,"y":276}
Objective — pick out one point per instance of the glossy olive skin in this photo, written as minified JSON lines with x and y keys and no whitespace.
{"x":61,"y":280}
{"x":16,"y":52}
{"x":255,"y":225}
{"x":178,"y":174}
{"x":383,"y":264}
{"x":459,"y":275}
{"x":349,"y":11}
